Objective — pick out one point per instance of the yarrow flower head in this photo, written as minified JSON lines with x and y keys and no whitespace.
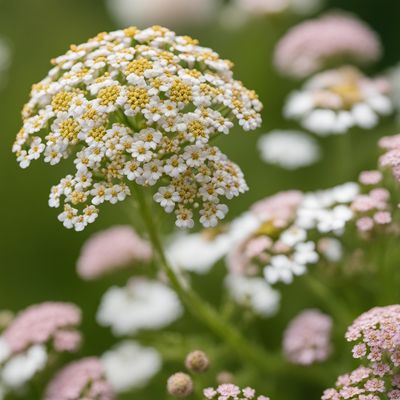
{"x":334,"y":101}
{"x":138,"y":108}
{"x":363,"y":384}
{"x":253,"y":293}
{"x":32,"y":339}
{"x":45,"y":322}
{"x":307,"y":339}
{"x":142,"y":304}
{"x":229,"y":391}
{"x":130,"y":365}
{"x":283,"y":243}
{"x":110,"y":250}
{"x":309,"y":46}
{"x":376,"y":335}
{"x":83,"y":379}
{"x":288,"y":149}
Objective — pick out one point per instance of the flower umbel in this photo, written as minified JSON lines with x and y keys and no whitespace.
{"x":138,"y":106}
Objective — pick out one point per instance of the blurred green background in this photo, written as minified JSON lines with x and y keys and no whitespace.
{"x":37,"y":255}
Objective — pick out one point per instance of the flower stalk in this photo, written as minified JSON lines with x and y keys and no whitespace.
{"x":198,"y":307}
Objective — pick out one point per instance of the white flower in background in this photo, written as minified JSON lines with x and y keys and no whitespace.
{"x":331,"y":249}
{"x":283,"y":268}
{"x":288,"y":149}
{"x":5,"y":350}
{"x":170,"y":13}
{"x":22,"y":367}
{"x":5,"y":60}
{"x":292,"y":233}
{"x":334,"y":101}
{"x":141,"y":304}
{"x":254,"y":293}
{"x":327,"y":210}
{"x":266,"y":7}
{"x":130,"y":365}
{"x":197,"y":252}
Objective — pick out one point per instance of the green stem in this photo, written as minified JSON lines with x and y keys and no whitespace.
{"x":200,"y":309}
{"x":339,"y":310}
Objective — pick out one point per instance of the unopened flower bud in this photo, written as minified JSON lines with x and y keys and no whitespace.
{"x":197,"y":361}
{"x":180,"y":385}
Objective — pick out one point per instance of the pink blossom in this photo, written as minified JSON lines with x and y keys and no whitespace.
{"x":307,"y":338}
{"x":365,"y":224}
{"x":40,"y":323}
{"x":390,"y":142}
{"x":379,"y":330}
{"x":112,"y":249}
{"x":370,"y":177}
{"x":229,"y":391}
{"x":67,"y":340}
{"x":307,"y":47}
{"x":383,"y":217}
{"x":82,"y":379}
{"x":279,"y":208}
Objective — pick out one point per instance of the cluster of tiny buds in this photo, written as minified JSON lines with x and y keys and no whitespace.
{"x":138,"y":108}
{"x":229,"y":391}
{"x":371,"y":208}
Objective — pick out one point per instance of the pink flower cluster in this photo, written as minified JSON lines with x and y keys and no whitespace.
{"x":276,"y":212}
{"x":44,"y":322}
{"x":377,"y":337}
{"x":391,"y":158}
{"x":376,"y":334}
{"x":279,"y":209}
{"x":229,"y":391}
{"x":112,"y":249}
{"x":372,"y":209}
{"x":363,"y":384}
{"x":82,"y":379}
{"x":307,"y":47}
{"x":307,"y":339}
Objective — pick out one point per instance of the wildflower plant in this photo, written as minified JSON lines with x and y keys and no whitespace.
{"x":137,"y":112}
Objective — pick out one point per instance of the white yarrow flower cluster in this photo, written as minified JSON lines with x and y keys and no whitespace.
{"x":138,"y":108}
{"x":334,"y":101}
{"x":253,"y":293}
{"x":129,"y":365}
{"x":18,"y":369}
{"x":199,"y":252}
{"x":141,"y":305}
{"x":294,"y":232}
{"x":288,"y":149}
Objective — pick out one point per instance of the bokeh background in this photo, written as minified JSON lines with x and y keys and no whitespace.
{"x":37,"y":255}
